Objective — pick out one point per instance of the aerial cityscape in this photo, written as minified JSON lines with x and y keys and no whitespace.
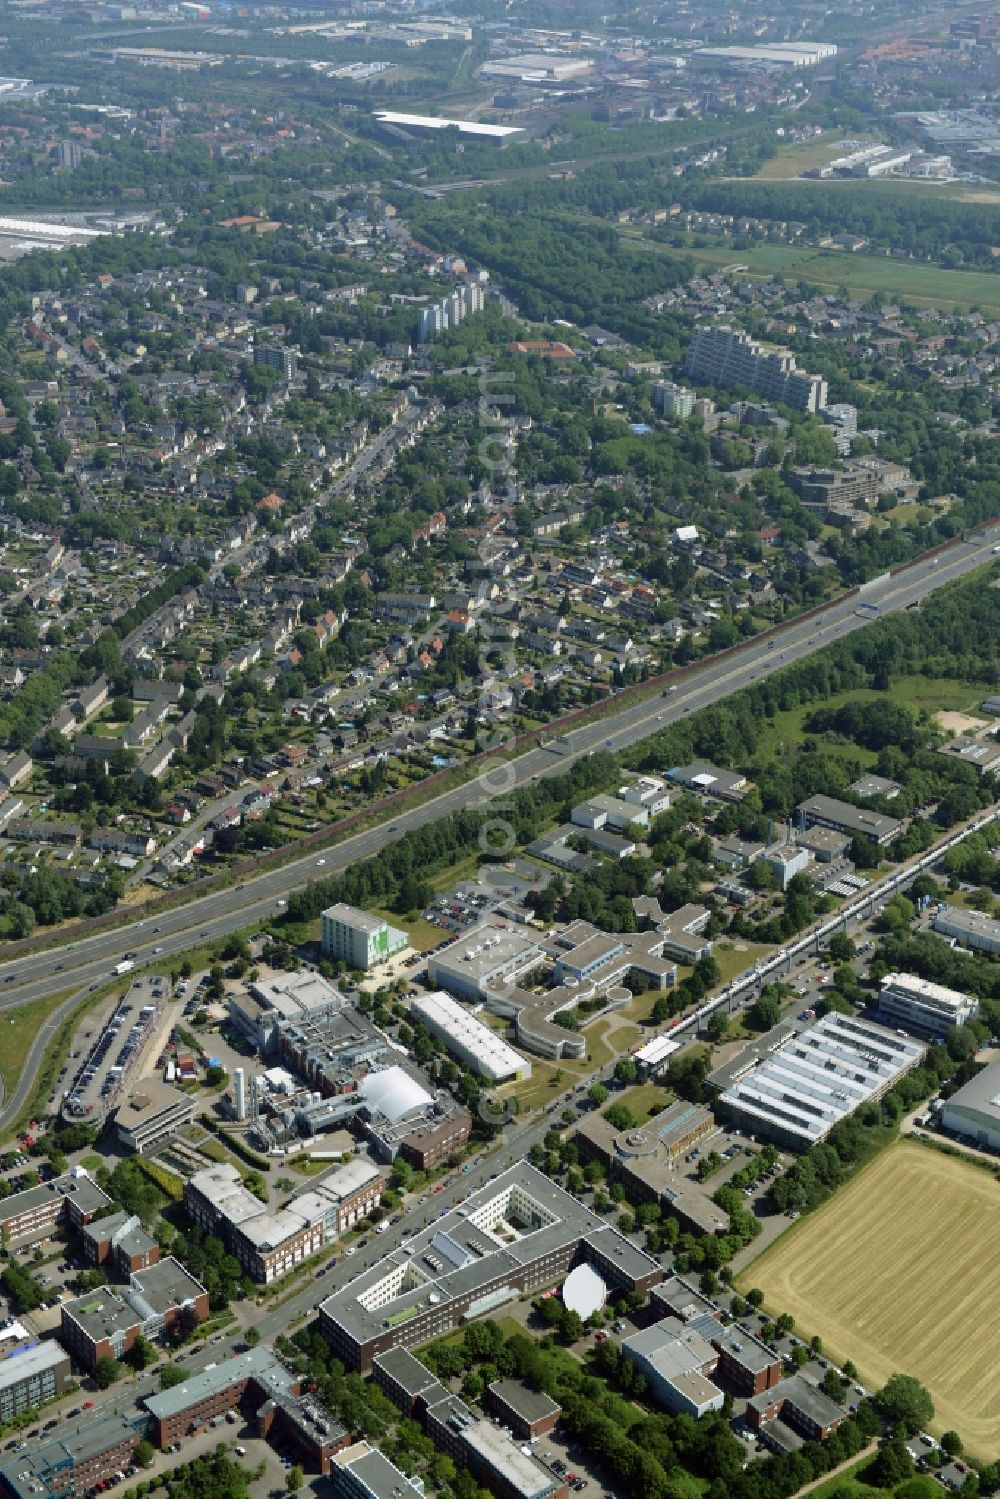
{"x":499,"y":750}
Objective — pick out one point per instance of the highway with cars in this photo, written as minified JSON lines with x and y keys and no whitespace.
{"x":215,"y":915}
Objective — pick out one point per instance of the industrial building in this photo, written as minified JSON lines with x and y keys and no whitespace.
{"x":497,"y":134}
{"x":770,"y":54}
{"x":974,"y":1111}
{"x":477,"y":1046}
{"x":727,"y":358}
{"x":150,"y":1113}
{"x":538,"y":67}
{"x":968,"y":928}
{"x":158,"y":1301}
{"x":922,"y":1007}
{"x":30,"y":1374}
{"x":516,"y":1234}
{"x":844,"y":817}
{"x":359,"y":939}
{"x":816,"y":1077}
{"x":710,"y":780}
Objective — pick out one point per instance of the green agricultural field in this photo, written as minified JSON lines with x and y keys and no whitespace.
{"x":896,"y":1273}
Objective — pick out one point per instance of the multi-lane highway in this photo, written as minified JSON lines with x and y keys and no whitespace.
{"x":162,"y":937}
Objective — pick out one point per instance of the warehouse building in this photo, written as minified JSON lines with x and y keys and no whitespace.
{"x":844,"y":817}
{"x":357,"y":938}
{"x":925,"y":1008}
{"x":476,"y":1046}
{"x":974,"y":1111}
{"x":30,"y":1374}
{"x":969,"y":929}
{"x":150,"y":1114}
{"x":517,"y":1234}
{"x":797,"y":1093}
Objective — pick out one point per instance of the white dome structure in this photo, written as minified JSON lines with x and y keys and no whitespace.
{"x":393,"y":1092}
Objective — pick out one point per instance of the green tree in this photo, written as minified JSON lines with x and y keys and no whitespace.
{"x":107,"y":1371}
{"x":294,"y":1479}
{"x":144,"y":1453}
{"x":952,"y":1443}
{"x":905,"y":1402}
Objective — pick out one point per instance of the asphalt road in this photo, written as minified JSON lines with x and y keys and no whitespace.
{"x":215,"y":915}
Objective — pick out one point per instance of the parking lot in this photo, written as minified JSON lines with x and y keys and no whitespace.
{"x":116,"y":1048}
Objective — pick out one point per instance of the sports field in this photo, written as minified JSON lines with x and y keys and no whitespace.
{"x":901,"y":1271}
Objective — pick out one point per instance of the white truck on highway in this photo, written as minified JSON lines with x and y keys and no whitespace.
{"x":125,"y":966}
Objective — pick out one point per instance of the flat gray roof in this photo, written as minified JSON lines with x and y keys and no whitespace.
{"x":166,"y":1284}
{"x":981,"y":1093}
{"x":259,"y":1363}
{"x":85,"y":1192}
{"x":849,"y":817}
{"x":22,"y":1363}
{"x":406,"y":1370}
{"x":529,"y":1404}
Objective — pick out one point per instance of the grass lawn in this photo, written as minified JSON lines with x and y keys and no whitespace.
{"x":784,"y":731}
{"x":18,"y":1029}
{"x":734,"y":959}
{"x":896,"y":1274}
{"x":423,"y":936}
{"x":846,"y":1479}
{"x":793,"y":160}
{"x":644,"y":1100}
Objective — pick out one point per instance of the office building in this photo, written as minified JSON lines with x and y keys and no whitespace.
{"x":816,"y":1077}
{"x":363,"y":1472}
{"x":844,"y":817}
{"x":508,"y":1469}
{"x":477,"y":1046}
{"x":922,"y":1007}
{"x":267,"y":1242}
{"x":69,"y":1201}
{"x":119,"y":1244}
{"x":30,"y":1374}
{"x":974,"y":1111}
{"x":75,"y":1459}
{"x":276,"y":357}
{"x":342,"y":1199}
{"x":730,"y":359}
{"x":526,"y":1412}
{"x":359,"y":939}
{"x":150,"y":1113}
{"x":485,"y":957}
{"x":792,"y":1412}
{"x":968,"y":928}
{"x":515,"y":1235}
{"x":159,"y":1301}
